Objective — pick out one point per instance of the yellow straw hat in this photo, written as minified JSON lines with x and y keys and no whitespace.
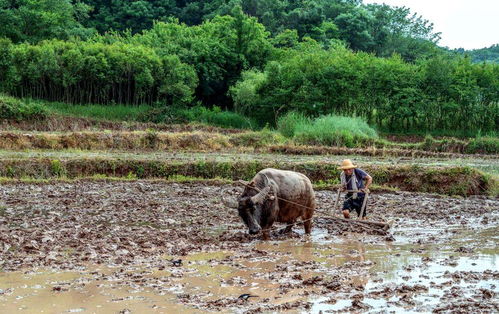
{"x":346,"y":164}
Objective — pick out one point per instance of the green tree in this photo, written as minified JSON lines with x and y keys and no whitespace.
{"x":36,"y":20}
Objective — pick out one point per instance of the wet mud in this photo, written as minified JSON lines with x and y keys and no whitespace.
{"x":169,"y":247}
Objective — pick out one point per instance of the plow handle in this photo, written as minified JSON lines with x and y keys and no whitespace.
{"x":363,"y":206}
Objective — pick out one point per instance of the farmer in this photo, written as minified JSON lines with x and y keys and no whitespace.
{"x":352,"y":180}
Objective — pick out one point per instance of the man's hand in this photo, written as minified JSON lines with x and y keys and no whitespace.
{"x":343,"y":188}
{"x":365,"y":190}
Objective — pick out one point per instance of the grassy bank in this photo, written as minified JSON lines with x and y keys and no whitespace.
{"x":293,"y":129}
{"x":15,"y":109}
{"x":213,"y":140}
{"x":99,"y":112}
{"x":442,"y":180}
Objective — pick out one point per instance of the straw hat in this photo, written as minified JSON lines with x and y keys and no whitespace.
{"x":346,"y":164}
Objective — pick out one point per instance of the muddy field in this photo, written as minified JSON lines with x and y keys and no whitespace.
{"x":94,"y":246}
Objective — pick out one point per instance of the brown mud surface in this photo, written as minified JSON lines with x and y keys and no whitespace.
{"x":94,"y":246}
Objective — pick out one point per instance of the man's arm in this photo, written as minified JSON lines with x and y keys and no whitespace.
{"x":369,"y":181}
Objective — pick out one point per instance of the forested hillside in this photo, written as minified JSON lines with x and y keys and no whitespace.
{"x":259,"y":58}
{"x":490,"y":54}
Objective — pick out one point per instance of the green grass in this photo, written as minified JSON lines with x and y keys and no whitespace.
{"x":330,"y":130}
{"x":289,"y":123}
{"x":217,"y":117}
{"x":214,"y":116}
{"x":463,"y":134}
{"x":100,"y":112}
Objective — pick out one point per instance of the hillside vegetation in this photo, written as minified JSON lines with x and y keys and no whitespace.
{"x":261,"y":59}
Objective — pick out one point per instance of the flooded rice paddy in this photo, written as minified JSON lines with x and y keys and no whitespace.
{"x":108,"y":247}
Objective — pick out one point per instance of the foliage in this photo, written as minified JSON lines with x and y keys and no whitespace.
{"x":36,"y":20}
{"x":439,"y":93}
{"x":94,"y":72}
{"x":17,"y":110}
{"x":219,"y":50}
{"x":489,"y":54}
{"x":375,"y":28}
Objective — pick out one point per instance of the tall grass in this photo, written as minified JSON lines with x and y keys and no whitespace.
{"x":24,"y":109}
{"x":217,"y":117}
{"x":101,"y":112}
{"x":331,"y":130}
{"x":289,"y":123}
{"x":214,"y":116}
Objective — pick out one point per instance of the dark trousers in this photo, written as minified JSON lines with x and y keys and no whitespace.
{"x":351,"y":204}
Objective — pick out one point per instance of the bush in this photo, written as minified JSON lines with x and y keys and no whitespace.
{"x":18,"y":110}
{"x":331,"y":130}
{"x":288,"y":123}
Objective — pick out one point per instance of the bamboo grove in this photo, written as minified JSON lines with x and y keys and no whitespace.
{"x":234,"y":62}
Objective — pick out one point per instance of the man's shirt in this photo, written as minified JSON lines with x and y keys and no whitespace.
{"x":361,"y":175}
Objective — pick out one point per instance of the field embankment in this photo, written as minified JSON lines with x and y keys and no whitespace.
{"x":448,"y":180}
{"x":206,"y":138}
{"x":81,"y":124}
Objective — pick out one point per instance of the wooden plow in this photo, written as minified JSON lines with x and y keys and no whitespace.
{"x":376,"y":227}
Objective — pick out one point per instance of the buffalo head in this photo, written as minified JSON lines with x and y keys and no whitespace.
{"x":253,"y":205}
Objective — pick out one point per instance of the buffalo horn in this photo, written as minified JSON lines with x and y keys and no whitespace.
{"x":260,"y":197}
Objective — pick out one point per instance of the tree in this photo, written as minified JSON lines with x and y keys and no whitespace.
{"x":396,"y":30}
{"x":36,"y":20}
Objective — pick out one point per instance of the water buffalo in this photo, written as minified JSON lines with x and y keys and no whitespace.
{"x":275,"y":195}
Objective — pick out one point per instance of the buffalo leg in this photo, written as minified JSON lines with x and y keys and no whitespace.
{"x":307,"y":216}
{"x":288,"y":228}
{"x":266,"y":235}
{"x":308,"y":226}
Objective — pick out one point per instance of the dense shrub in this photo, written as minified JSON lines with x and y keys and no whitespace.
{"x":15,"y":109}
